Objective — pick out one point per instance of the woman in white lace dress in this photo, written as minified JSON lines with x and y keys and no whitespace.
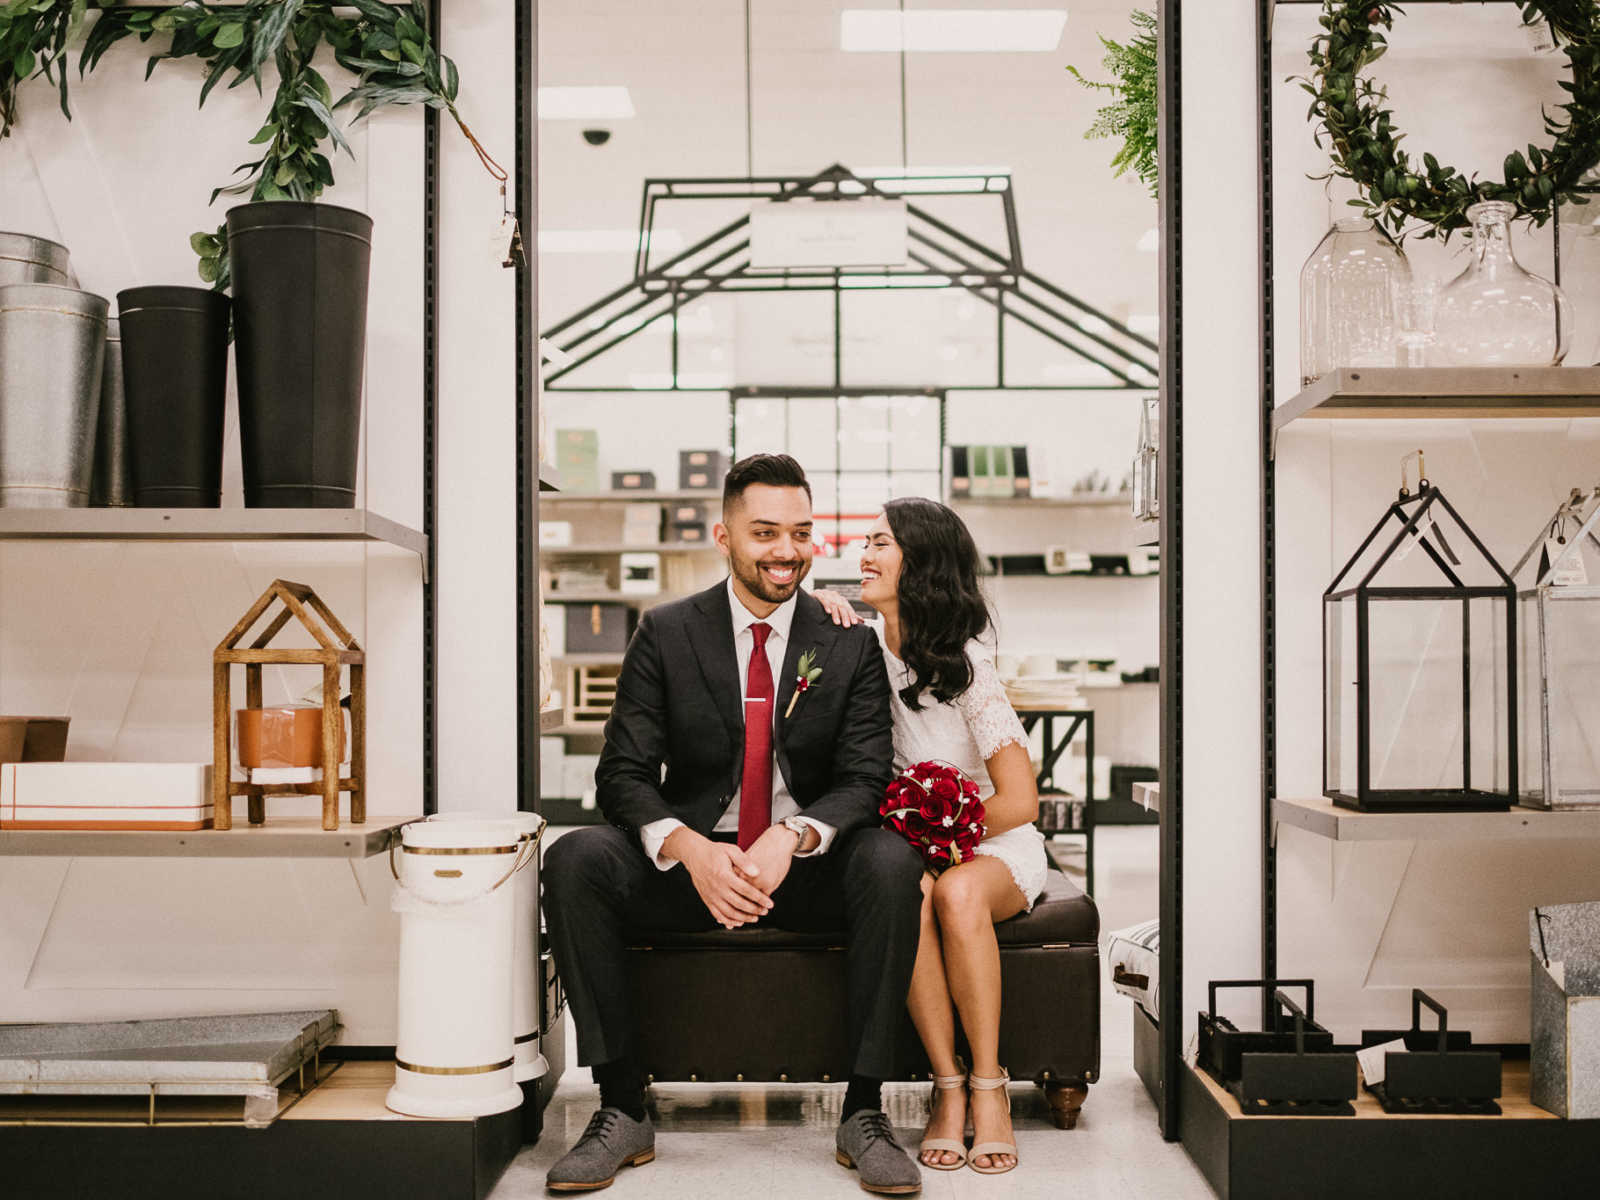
{"x":920,"y":572}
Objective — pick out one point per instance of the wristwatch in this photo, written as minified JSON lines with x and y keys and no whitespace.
{"x":800,"y":828}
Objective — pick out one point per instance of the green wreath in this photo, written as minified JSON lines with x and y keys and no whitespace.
{"x":1395,"y":188}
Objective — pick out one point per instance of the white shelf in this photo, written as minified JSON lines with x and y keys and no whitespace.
{"x":207,"y":525}
{"x":1322,"y":817}
{"x":627,"y":497}
{"x":280,"y":837}
{"x":624,"y":548}
{"x":1093,"y":500}
{"x":589,"y":660}
{"x":1445,"y":393}
{"x":1147,"y":796}
{"x":611,"y":596}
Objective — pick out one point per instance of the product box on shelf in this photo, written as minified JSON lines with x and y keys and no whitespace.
{"x":641,"y":574}
{"x":1564,"y":944}
{"x":697,"y":534}
{"x":578,"y":459}
{"x":633,"y":481}
{"x":555,"y":533}
{"x":699,"y":469}
{"x":555,"y":627}
{"x":641,"y":524}
{"x":81,"y":795}
{"x":598,"y":628}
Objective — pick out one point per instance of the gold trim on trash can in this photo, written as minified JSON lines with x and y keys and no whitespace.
{"x":512,"y":849}
{"x":418,"y":1070}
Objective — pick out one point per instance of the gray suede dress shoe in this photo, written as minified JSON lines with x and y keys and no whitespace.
{"x":612,"y":1140}
{"x":866,"y":1143}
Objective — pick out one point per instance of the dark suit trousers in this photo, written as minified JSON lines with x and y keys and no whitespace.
{"x":599,"y":887}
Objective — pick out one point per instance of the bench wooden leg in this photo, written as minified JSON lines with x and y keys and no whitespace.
{"x":1065,"y":1099}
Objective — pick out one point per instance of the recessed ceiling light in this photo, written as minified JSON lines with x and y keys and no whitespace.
{"x":607,"y":241}
{"x":1150,"y":241}
{"x":951,"y":30}
{"x":585,"y":104}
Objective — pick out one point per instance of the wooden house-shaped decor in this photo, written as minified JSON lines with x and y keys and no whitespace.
{"x":335,"y":650}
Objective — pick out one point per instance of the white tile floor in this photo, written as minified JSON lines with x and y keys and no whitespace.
{"x":776,"y":1142}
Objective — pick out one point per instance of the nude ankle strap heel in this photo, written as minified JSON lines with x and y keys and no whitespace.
{"x":983,"y":1083}
{"x":945,"y":1083}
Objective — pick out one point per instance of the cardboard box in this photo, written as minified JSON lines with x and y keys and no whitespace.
{"x":105,"y":795}
{"x":698,"y":469}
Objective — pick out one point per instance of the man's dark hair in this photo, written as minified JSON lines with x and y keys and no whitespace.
{"x":774,"y":470}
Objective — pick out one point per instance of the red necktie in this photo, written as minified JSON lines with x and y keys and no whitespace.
{"x":755,"y":789}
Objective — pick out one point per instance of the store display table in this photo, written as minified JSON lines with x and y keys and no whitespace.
{"x":1527,"y":1151}
{"x":1075,"y":721}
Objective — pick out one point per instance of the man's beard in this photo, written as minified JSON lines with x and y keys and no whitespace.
{"x":747,"y":571}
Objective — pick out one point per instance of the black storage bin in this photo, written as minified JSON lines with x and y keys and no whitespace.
{"x":701,"y":469}
{"x":598,"y":628}
{"x":300,"y":274}
{"x":633,"y":481}
{"x":175,"y":378}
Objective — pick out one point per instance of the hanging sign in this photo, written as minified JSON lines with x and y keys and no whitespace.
{"x":1571,"y":573}
{"x":828,"y":233}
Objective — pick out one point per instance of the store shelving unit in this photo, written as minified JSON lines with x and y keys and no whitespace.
{"x":1268,"y":1156}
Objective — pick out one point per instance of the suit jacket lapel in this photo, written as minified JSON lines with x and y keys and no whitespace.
{"x":811,"y":630}
{"x":712,"y":639}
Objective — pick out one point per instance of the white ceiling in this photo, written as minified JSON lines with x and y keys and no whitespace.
{"x":812,"y":104}
{"x":683,"y":62}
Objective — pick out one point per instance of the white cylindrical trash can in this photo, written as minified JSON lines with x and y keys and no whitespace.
{"x":525,"y":980}
{"x":454,"y":1054}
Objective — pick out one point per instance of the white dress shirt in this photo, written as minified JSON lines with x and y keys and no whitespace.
{"x":783,"y":804}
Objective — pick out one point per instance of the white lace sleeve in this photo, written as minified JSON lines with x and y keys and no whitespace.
{"x":990,"y":718}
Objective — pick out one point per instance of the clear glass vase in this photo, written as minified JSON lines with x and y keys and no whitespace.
{"x":1347,"y":291}
{"x":1495,"y":313}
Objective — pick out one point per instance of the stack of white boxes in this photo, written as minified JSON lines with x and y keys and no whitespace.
{"x":641,"y":524}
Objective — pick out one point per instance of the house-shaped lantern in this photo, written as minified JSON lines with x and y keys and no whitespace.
{"x":1419,"y":672}
{"x":1559,"y":659}
{"x":335,"y":650}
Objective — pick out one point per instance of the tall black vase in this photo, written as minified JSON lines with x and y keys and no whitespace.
{"x":175,"y":377}
{"x":300,"y":337}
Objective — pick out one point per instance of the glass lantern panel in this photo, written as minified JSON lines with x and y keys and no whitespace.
{"x":1530,"y":700}
{"x":1417,"y":714}
{"x":1489,"y":697}
{"x":1572,"y":619}
{"x":1340,"y":740}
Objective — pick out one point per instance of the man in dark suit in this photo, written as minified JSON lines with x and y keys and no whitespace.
{"x":767,"y":812}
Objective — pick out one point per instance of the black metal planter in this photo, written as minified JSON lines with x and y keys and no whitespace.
{"x":175,"y":376}
{"x":300,"y":276}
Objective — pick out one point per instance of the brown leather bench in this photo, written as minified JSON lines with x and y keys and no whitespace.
{"x":769,"y":1005}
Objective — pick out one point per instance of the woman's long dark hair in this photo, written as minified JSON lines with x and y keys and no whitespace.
{"x":941,"y":606}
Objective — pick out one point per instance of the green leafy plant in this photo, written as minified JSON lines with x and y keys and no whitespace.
{"x":386,"y":46}
{"x":1131,"y":117}
{"x":1357,"y":128}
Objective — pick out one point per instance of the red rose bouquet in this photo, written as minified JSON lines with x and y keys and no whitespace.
{"x":936,"y":808}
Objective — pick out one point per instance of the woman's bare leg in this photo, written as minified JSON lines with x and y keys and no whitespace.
{"x":929,"y":1002}
{"x":967,"y":901}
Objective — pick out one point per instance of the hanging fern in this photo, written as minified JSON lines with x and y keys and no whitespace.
{"x":1132,"y":115}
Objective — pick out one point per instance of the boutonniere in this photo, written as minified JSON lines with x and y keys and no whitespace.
{"x":809,"y":674}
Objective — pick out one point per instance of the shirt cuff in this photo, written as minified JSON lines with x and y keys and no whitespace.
{"x":653,"y":835}
{"x":824,"y":834}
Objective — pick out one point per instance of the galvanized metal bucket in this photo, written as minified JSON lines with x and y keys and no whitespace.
{"x":113,"y":484}
{"x":52,"y":354}
{"x":28,"y":259}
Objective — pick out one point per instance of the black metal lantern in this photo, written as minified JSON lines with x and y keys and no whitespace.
{"x":1419,"y":670}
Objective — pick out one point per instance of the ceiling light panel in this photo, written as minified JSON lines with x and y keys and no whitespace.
{"x":952,"y":30}
{"x":585,"y":104}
